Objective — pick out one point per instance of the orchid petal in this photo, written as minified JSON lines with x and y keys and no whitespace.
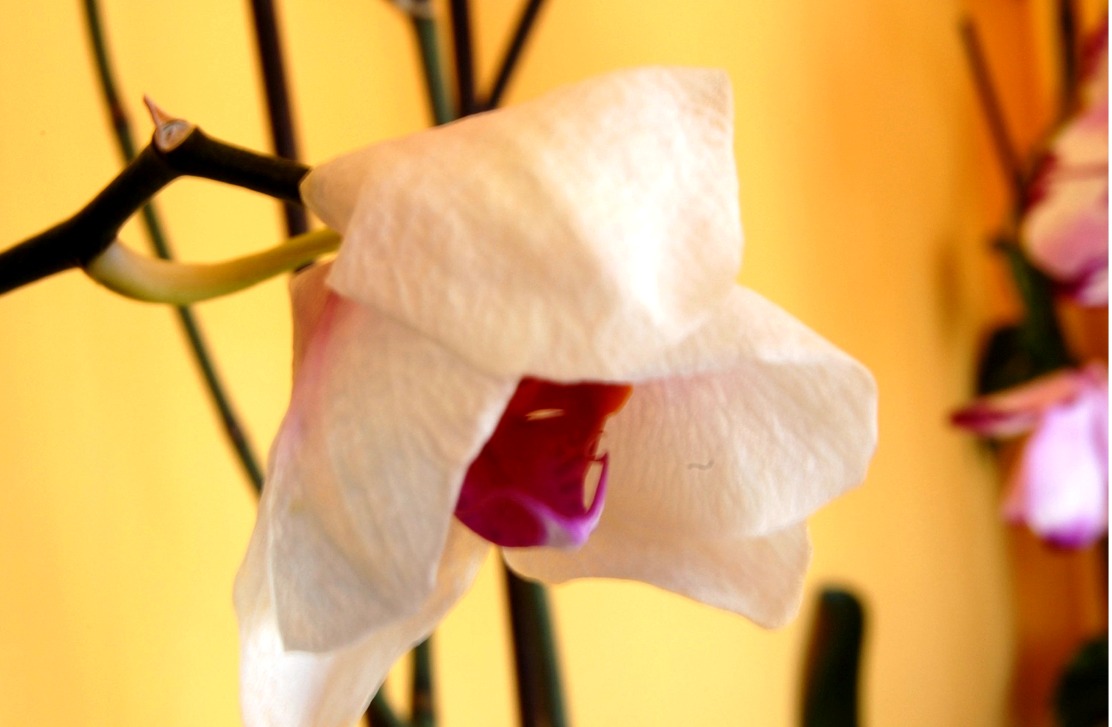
{"x":760,"y":578}
{"x":570,"y":238}
{"x":281,"y":688}
{"x":763,"y":423}
{"x":366,"y":468}
{"x":1094,"y":65}
{"x":1067,"y":236}
{"x":1066,"y":229}
{"x":1060,"y":487}
{"x":1020,"y":409}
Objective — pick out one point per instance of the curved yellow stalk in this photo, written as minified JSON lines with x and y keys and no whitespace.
{"x":137,"y":276}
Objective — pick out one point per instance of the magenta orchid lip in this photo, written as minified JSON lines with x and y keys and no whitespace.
{"x":528,"y":485}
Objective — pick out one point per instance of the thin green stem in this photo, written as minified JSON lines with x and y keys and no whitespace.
{"x":540,"y":694}
{"x":380,"y":714}
{"x":440,"y":101}
{"x":233,"y":430}
{"x":465,"y":57}
{"x":1041,"y":331}
{"x":116,"y":111}
{"x":512,"y":56}
{"x":423,"y":710}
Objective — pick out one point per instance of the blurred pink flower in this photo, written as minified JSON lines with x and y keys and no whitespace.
{"x":1059,"y":485}
{"x":1065,"y":229}
{"x":503,"y":280}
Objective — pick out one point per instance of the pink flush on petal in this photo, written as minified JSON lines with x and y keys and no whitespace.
{"x":540,"y":479}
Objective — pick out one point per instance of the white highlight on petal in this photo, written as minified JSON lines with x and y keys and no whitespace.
{"x":571,"y":237}
{"x":541,"y":414}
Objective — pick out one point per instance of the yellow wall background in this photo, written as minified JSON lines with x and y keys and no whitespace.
{"x":867,"y":194}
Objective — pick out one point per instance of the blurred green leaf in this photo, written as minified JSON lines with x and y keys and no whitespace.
{"x":831,"y":672}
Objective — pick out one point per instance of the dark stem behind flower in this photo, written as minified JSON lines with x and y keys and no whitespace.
{"x":513,"y":53}
{"x":830,"y":678}
{"x":465,"y":59}
{"x":423,"y":706}
{"x":380,"y":714}
{"x":1041,"y":331}
{"x":1010,"y":163}
{"x":1069,"y":60}
{"x":539,"y":691}
{"x":278,"y":107}
{"x":440,"y":104}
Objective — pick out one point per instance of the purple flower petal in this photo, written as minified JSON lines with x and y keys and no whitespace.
{"x":1060,"y":487}
{"x":1020,"y":409}
{"x":1065,"y":228}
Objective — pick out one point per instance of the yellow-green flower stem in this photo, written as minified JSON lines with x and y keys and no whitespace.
{"x":129,"y":273}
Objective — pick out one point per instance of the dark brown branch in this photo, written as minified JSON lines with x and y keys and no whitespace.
{"x":465,"y":62}
{"x":1006,"y":153}
{"x":76,"y":241}
{"x":513,"y":52}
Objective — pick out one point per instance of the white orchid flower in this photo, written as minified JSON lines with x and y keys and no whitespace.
{"x":505,"y":284}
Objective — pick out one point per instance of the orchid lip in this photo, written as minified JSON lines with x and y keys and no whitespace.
{"x":533,"y":483}
{"x":534,"y":522}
